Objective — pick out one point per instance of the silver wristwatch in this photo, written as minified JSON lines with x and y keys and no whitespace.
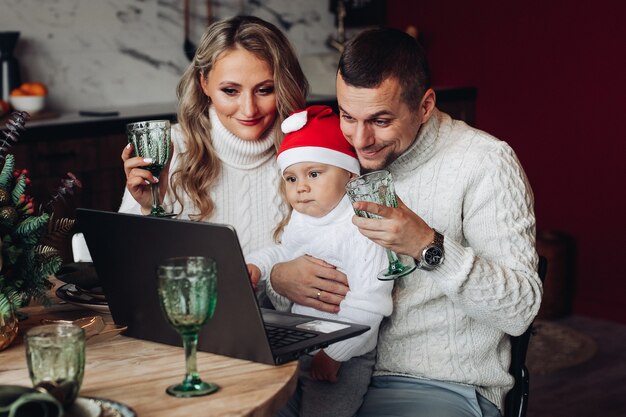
{"x":432,"y":254}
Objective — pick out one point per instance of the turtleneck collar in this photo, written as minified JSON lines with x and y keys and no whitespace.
{"x":344,"y":206}
{"x":236,"y":152}
{"x":423,"y":147}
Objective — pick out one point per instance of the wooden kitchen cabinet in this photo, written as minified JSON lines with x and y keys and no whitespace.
{"x":94,"y":159}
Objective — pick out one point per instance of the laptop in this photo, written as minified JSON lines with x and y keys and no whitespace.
{"x":126,"y":250}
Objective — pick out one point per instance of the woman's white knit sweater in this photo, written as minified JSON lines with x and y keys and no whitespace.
{"x":246,"y":192}
{"x":452,"y":324}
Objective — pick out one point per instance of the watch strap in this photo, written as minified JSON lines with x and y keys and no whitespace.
{"x":438,"y":239}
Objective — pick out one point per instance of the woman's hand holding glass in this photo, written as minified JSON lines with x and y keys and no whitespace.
{"x":146,"y":159}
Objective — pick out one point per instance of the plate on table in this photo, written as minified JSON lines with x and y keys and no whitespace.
{"x":99,"y":407}
{"x":75,"y":295}
{"x":81,"y":274}
{"x":96,"y":330}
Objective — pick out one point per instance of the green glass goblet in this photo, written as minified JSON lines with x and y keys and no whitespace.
{"x":377,"y":187}
{"x":188,"y":294}
{"x":152,"y":139}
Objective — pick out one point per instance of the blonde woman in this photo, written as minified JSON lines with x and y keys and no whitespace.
{"x":243,"y":82}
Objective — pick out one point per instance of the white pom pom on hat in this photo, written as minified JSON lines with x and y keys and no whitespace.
{"x":294,"y":122}
{"x":314,"y":135}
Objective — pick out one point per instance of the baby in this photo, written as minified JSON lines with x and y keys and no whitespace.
{"x":316,"y":163}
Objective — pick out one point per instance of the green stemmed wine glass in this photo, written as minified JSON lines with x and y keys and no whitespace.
{"x":377,"y":187}
{"x":152,"y":139}
{"x":188,"y":294}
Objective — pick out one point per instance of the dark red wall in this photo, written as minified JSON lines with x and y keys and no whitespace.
{"x":551,"y":82}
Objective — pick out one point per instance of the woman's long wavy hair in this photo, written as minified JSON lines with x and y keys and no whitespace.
{"x":199,"y":166}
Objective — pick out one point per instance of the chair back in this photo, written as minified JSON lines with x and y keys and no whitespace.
{"x":516,"y":401}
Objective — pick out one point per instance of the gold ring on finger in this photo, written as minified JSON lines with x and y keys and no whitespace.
{"x":319,"y":294}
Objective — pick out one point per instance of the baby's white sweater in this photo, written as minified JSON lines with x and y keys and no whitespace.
{"x":334,"y":239}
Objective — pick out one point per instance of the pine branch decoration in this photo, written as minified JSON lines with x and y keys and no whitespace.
{"x":8,"y":298}
{"x":15,"y":125}
{"x":48,"y":266}
{"x":6,"y":175}
{"x":31,"y":229}
{"x":18,"y":188}
{"x":45,"y":251}
{"x":28,"y":237}
{"x":68,"y":187}
{"x":62,"y":226}
{"x":59,"y":231}
{"x":10,"y":251}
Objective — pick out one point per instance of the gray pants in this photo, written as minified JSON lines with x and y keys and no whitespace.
{"x":326,"y":399}
{"x":398,"y":396}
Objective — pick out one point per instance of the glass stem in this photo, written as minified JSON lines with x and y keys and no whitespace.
{"x":156,"y":198}
{"x":190,"y":343}
{"x":394,"y":262}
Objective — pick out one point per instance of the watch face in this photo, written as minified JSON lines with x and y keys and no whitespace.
{"x":433,"y":255}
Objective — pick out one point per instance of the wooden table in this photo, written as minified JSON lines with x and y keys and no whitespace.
{"x":136,"y":372}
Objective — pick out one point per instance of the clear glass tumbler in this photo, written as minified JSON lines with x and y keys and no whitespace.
{"x":55,"y":354}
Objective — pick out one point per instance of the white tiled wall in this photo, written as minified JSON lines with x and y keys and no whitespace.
{"x":103,"y":53}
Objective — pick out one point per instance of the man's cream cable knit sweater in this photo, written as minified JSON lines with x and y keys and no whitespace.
{"x":246,"y":193}
{"x":452,"y":324}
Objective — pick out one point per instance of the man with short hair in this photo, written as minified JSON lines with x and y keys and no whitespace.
{"x":465,"y":215}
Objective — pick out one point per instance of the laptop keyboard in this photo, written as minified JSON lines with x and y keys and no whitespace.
{"x":280,"y":337}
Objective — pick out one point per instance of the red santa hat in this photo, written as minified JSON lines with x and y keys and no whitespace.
{"x":313,"y":135}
